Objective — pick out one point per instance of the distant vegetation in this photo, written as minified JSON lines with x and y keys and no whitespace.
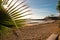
{"x":58,"y":6}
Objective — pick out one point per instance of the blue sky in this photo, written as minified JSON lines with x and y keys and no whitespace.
{"x":42,"y":8}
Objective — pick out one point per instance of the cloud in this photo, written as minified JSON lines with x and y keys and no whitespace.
{"x":42,"y":8}
{"x":40,"y":13}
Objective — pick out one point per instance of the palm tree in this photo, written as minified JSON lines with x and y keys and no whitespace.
{"x":12,"y":14}
{"x":58,"y":6}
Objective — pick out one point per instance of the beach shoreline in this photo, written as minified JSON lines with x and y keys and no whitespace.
{"x":36,"y":31}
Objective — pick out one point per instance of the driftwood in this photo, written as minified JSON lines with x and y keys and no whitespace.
{"x":53,"y":37}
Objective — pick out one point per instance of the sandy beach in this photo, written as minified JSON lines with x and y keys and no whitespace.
{"x":40,"y":31}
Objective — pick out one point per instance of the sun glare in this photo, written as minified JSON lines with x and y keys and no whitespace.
{"x":5,"y":6}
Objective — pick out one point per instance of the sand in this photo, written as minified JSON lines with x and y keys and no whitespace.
{"x":40,"y":31}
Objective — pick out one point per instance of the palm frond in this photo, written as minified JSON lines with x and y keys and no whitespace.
{"x":12,"y":5}
{"x":17,"y":6}
{"x":16,"y":9}
{"x":19,"y":11}
{"x":11,"y":16}
{"x":14,"y":15}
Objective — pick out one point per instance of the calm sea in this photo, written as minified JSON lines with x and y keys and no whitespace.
{"x":35,"y":21}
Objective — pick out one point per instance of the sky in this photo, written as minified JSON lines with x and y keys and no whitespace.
{"x":42,"y":8}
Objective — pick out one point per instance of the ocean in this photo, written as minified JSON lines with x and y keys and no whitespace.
{"x":35,"y":21}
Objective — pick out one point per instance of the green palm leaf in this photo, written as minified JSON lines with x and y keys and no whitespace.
{"x":10,"y":16}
